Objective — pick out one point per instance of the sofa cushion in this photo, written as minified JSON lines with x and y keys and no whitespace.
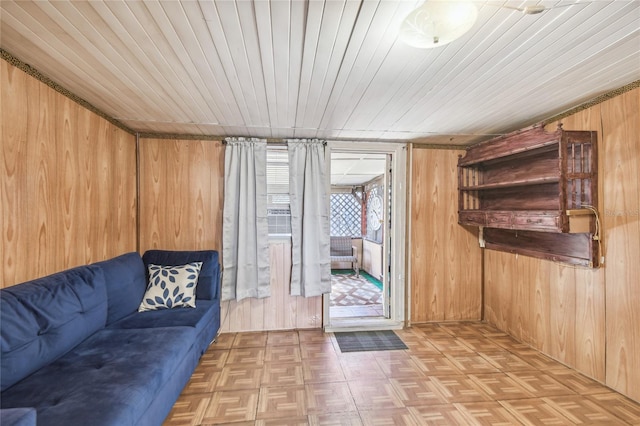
{"x":196,"y":317}
{"x":209,"y":278}
{"x":18,"y":417}
{"x":171,"y":287}
{"x":109,"y":379}
{"x":126,"y":282}
{"x":44,"y":318}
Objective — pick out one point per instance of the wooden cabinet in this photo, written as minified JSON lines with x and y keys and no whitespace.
{"x":533,"y":181}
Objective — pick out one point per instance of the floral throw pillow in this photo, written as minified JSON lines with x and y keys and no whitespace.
{"x":171,"y":287}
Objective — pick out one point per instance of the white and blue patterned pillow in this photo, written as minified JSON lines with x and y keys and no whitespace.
{"x":171,"y":287}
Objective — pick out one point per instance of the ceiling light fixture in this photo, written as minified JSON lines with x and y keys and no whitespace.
{"x":437,"y":23}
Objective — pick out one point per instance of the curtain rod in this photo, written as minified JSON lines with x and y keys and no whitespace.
{"x":279,"y":141}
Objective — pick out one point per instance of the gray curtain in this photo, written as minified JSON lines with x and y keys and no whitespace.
{"x":245,"y":234}
{"x":311,"y":266}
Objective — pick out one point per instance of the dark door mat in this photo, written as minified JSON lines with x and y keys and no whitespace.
{"x":358,"y":341}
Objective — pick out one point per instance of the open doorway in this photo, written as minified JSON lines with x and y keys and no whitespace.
{"x":367,"y":210}
{"x":357,"y":216}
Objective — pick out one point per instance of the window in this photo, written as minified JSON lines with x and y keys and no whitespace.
{"x":346,"y":215}
{"x":278,"y":212}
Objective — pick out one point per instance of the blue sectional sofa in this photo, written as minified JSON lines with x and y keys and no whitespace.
{"x":76,"y":351}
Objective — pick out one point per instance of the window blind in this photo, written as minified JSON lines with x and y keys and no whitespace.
{"x":277,"y":175}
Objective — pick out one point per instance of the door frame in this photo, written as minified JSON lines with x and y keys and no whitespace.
{"x":397,"y":278}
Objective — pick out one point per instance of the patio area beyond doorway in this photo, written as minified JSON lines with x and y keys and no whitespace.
{"x":355,"y":296}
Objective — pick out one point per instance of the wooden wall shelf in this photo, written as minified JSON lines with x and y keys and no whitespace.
{"x":538,"y":182}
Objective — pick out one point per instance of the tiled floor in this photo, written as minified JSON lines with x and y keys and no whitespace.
{"x":349,"y":290}
{"x":452,"y":374}
{"x":367,"y":307}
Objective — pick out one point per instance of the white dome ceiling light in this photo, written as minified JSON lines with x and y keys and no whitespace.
{"x":437,"y":23}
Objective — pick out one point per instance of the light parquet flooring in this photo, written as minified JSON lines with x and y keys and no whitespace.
{"x":452,"y":374}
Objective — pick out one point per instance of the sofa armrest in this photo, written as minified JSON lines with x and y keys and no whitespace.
{"x":18,"y":417}
{"x":208,"y":286}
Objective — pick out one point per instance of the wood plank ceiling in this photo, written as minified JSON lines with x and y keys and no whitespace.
{"x":329,"y":69}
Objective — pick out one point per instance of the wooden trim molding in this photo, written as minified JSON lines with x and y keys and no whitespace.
{"x":183,"y":137}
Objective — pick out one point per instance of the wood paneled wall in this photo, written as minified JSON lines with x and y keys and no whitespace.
{"x":68,"y":182}
{"x":181,"y":194}
{"x":445,"y":259}
{"x":555,"y":308}
{"x":620,"y":120}
{"x":181,"y":200}
{"x":588,"y":319}
{"x":280,"y":311}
